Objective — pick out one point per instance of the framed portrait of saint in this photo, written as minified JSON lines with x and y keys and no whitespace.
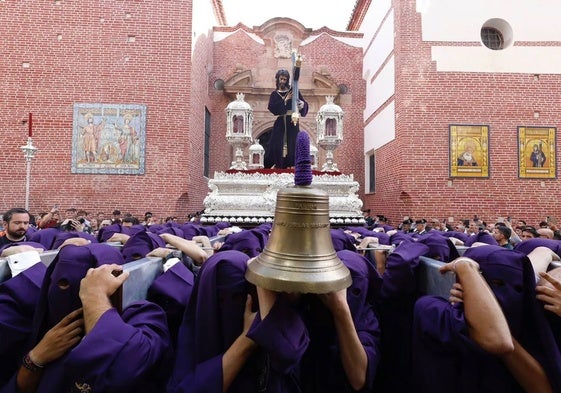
{"x":536,"y":153}
{"x":469,"y":150}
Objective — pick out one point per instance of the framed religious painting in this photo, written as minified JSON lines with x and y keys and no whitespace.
{"x":536,"y":153}
{"x":109,"y":139}
{"x":469,"y":151}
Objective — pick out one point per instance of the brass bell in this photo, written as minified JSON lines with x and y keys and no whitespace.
{"x":299,"y":256}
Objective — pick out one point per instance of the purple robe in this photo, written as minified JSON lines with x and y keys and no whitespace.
{"x":440,"y":248}
{"x":481,"y":237}
{"x":342,"y":240}
{"x":62,"y":236}
{"x":527,"y":246}
{"x":301,"y":341}
{"x":212,"y":322}
{"x":443,"y":348}
{"x":397,"y":295}
{"x":122,"y":353}
{"x":172,"y":291}
{"x":46,"y":237}
{"x":251,"y":242}
{"x":18,"y":299}
{"x":140,"y":244}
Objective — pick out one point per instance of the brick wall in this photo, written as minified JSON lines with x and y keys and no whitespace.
{"x":413,"y":171}
{"x":125,"y":52}
{"x":82,"y":52}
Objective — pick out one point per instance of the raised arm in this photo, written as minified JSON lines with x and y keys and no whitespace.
{"x":353,"y":354}
{"x":188,"y":247}
{"x":487,"y":325}
{"x":96,"y":288}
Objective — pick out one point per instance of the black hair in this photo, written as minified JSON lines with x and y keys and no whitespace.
{"x":16,"y":210}
{"x":504,"y":230}
{"x":532,"y":230}
{"x":283,"y":72}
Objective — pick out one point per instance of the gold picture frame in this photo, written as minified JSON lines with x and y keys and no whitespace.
{"x":536,"y":153}
{"x":469,"y":151}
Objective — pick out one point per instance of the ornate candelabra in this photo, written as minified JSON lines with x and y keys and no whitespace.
{"x":239,"y":126}
{"x":330,"y":131}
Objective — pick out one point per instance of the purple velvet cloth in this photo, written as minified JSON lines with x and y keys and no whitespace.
{"x":172,"y":291}
{"x":122,"y":353}
{"x":440,"y":248}
{"x":191,"y":230}
{"x":46,"y":237}
{"x":62,"y":236}
{"x":172,"y":230}
{"x":527,"y":246}
{"x":71,"y":265}
{"x":18,"y":298}
{"x":458,"y":235}
{"x":400,"y":236}
{"x":441,"y":337}
{"x":481,"y":237}
{"x":397,"y":295}
{"x":212,"y":322}
{"x":250,"y":241}
{"x":342,"y":240}
{"x":301,"y":341}
{"x":105,"y":233}
{"x":140,"y":244}
{"x":383,"y":238}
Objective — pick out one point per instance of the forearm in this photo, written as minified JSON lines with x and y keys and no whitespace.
{"x":94,"y":308}
{"x":526,"y":370}
{"x":235,"y":358}
{"x":353,"y":355}
{"x":28,"y":381}
{"x":487,"y":324}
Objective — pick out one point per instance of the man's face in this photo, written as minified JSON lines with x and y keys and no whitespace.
{"x":473,"y":227}
{"x":498,"y":235}
{"x":282,"y":81}
{"x":18,"y":225}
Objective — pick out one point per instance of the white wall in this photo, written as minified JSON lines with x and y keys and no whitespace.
{"x":461,"y":21}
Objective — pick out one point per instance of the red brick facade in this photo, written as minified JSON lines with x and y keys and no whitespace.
{"x":125,"y":52}
{"x":412,"y":171}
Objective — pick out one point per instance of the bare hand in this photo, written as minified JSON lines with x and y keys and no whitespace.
{"x":335,"y":301}
{"x":551,"y":296}
{"x":160,"y":252}
{"x":119,"y":237}
{"x":455,"y":264}
{"x":102,"y":281}
{"x":76,"y":241}
{"x":456,"y":293}
{"x":59,"y":339}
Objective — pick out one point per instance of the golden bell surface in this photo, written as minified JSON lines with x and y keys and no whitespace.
{"x":299,"y":256}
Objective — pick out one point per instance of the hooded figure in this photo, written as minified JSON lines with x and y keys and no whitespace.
{"x":18,"y":298}
{"x":140,"y":244}
{"x":212,"y":322}
{"x":46,"y":237}
{"x":251,"y":242}
{"x":125,"y":353}
{"x":447,"y":359}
